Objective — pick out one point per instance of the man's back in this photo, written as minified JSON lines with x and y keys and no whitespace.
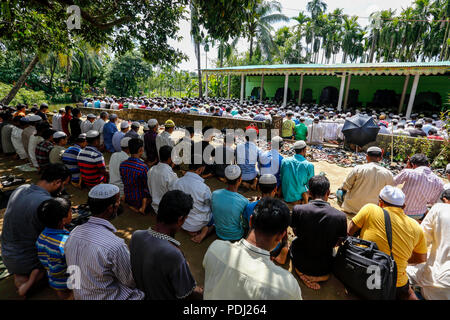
{"x":160,"y":180}
{"x":295,"y":174}
{"x":242,"y":271}
{"x":159,"y":267}
{"x":364,"y":184}
{"x":318,"y":227}
{"x":247,"y":155}
{"x":407,"y":235}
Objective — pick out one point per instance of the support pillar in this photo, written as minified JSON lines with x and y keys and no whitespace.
{"x":229,"y":85}
{"x":261,"y":90}
{"x":412,"y":96}
{"x":242,"y":88}
{"x":341,"y":92}
{"x":402,"y":99}
{"x":347,"y":89}
{"x":206,"y":87}
{"x":286,"y":83}
{"x":300,"y":89}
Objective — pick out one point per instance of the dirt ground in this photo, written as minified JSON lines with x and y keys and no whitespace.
{"x":130,"y":221}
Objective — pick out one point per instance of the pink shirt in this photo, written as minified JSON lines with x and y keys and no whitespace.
{"x":421,"y":187}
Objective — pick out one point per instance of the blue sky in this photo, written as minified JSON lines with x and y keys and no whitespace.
{"x":361,"y":8}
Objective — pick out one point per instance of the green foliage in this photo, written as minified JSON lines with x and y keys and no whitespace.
{"x":24,"y":95}
{"x":125,"y":73}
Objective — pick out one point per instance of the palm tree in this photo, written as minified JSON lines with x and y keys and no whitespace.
{"x":301,"y":19}
{"x":259,"y":25}
{"x":196,"y":39}
{"x":316,"y":8}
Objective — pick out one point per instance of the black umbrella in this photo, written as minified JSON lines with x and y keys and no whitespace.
{"x":360,"y":130}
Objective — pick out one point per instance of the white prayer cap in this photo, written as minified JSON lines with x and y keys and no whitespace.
{"x":103,"y":191}
{"x":267,"y":179}
{"x":136,"y":124}
{"x":392,"y":195}
{"x":124,"y":125}
{"x":113,"y":116}
{"x":276,"y":140}
{"x":374,"y":149}
{"x":82,"y":136}
{"x":59,"y":134}
{"x":62,"y":109}
{"x":299,"y":145}
{"x":33,"y":118}
{"x":91,"y":116}
{"x":124,"y":142}
{"x":146,"y":127}
{"x":232,"y":172}
{"x":92,"y":134}
{"x":152,"y":123}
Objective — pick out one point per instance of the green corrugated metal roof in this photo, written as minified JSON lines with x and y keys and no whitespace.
{"x":338,"y":66}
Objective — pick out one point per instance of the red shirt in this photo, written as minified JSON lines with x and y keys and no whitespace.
{"x":436,"y":137}
{"x":65,"y":123}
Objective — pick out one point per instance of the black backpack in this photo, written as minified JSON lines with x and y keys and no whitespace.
{"x":359,"y":268}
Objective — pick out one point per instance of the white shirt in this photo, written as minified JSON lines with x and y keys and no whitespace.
{"x":384,"y":130}
{"x":242,"y":271}
{"x":201,"y":213}
{"x":98,"y":126}
{"x":86,"y":125}
{"x":160,"y":179}
{"x":115,"y":106}
{"x":114,"y":169}
{"x":102,"y":104}
{"x":433,"y":276}
{"x":34,"y":141}
{"x":164,"y":139}
{"x":401,"y":132}
{"x":56,"y":122}
{"x":315,"y":133}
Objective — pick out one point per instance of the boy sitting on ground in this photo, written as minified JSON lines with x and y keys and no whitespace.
{"x":54,"y":214}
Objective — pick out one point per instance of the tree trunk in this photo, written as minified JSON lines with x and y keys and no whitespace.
{"x":6,"y":100}
{"x":251,"y":49}
{"x":52,"y":73}
{"x":197,"y":48}
{"x":372,"y":48}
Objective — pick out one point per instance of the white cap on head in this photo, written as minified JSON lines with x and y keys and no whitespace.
{"x":277,"y":140}
{"x":267,"y":179}
{"x":124,"y":125}
{"x":113,"y":116}
{"x":103,"y":191}
{"x":299,"y":145}
{"x":392,"y":195}
{"x":232,"y":172}
{"x":59,"y":134}
{"x":146,"y":127}
{"x":136,"y":124}
{"x":62,"y":109}
{"x":374,"y":149}
{"x":92,"y":134}
{"x":124,"y":142}
{"x":91,"y":116}
{"x":152,"y":123}
{"x":33,"y":118}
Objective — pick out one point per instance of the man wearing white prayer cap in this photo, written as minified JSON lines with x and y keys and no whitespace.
{"x":118,"y":136}
{"x":88,"y":124}
{"x":60,"y":140}
{"x":133,"y":133}
{"x":364,"y":183}
{"x":228,"y":206}
{"x":102,"y":258}
{"x":409,"y":245}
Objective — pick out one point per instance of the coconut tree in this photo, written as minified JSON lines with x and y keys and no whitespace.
{"x":301,"y":19}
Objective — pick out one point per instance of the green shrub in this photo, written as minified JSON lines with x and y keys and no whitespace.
{"x":23,"y":95}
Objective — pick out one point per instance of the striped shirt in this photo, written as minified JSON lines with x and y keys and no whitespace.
{"x":91,"y":163}
{"x":103,"y":260}
{"x":43,"y":153}
{"x":50,"y":246}
{"x":69,"y":158}
{"x":134,"y":177}
{"x":421,"y":187}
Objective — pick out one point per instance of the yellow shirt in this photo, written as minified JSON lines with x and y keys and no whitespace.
{"x":407,"y":235}
{"x":287,"y":129}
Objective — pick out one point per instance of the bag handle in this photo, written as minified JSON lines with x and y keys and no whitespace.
{"x":388,"y":226}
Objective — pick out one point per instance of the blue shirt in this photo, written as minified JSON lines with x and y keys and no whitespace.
{"x":267,"y":167}
{"x":69,"y":158}
{"x":295,"y":174}
{"x":227,"y":209}
{"x":50,"y":247}
{"x":97,"y":104}
{"x":249,"y":210}
{"x":247,"y":155}
{"x":108,"y":131}
{"x":117,"y":137}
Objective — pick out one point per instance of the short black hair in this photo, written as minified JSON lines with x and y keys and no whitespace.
{"x":57,"y":140}
{"x":165,"y":153}
{"x":173,"y":205}
{"x":47,"y":133}
{"x":190,"y":130}
{"x":271,"y":216}
{"x":374,"y":154}
{"x":318,"y":186}
{"x":92,"y":140}
{"x":206,"y":129}
{"x":43,"y":106}
{"x":445,"y":194}
{"x":419,"y":159}
{"x":193,"y":165}
{"x":418,"y":125}
{"x":134,"y":145}
{"x":76,"y":112}
{"x":267,"y":188}
{"x":432,"y":131}
{"x":52,"y":211}
{"x":55,"y":171}
{"x":98,"y":206}
{"x":68,"y":108}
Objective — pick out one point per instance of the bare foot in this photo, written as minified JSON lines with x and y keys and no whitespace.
{"x":311,"y":281}
{"x":192,"y":234}
{"x":222,"y":179}
{"x":24,"y":287}
{"x":199,"y":237}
